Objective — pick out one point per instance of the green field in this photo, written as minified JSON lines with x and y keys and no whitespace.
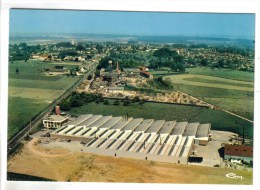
{"x":223,"y":73}
{"x":20,"y":111}
{"x":230,"y":90}
{"x":30,"y":91}
{"x":219,"y":120}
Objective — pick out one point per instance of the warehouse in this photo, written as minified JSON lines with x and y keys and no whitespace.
{"x":148,"y":139}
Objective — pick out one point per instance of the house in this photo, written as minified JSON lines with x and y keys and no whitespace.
{"x":239,"y":152}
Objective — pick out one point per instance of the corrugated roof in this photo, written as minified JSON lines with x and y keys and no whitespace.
{"x":179,"y":128}
{"x":191,"y":129}
{"x":121,"y":123}
{"x":90,"y":120}
{"x":132,"y":124}
{"x":79,"y":119}
{"x":203,"y":130}
{"x":111,"y":122}
{"x":100,"y":121}
{"x":144,"y":125}
{"x":167,"y":127}
{"x":155,"y":126}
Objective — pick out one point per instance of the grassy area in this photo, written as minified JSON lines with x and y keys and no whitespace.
{"x":20,"y":111}
{"x":223,"y":73}
{"x":229,"y":89}
{"x":30,"y":91}
{"x":203,"y":80}
{"x":59,"y":84}
{"x":219,"y":120}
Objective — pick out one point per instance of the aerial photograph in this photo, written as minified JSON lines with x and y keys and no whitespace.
{"x":131,"y":97}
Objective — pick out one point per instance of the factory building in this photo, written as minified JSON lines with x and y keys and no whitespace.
{"x":148,"y":139}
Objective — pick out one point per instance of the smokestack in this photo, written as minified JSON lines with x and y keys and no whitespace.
{"x":57,"y":110}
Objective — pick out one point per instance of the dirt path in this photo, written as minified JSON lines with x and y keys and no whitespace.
{"x":32,"y":149}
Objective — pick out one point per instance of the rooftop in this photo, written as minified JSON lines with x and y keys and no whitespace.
{"x":239,"y":150}
{"x":203,"y":130}
{"x":56,"y":118}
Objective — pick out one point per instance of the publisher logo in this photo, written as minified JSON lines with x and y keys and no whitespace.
{"x":234,"y":176}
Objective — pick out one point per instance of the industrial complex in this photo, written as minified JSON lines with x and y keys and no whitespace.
{"x":148,"y":139}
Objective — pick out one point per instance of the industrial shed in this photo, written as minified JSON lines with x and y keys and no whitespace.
{"x":148,"y":139}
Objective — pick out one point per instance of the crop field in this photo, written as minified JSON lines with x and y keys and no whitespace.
{"x":30,"y":91}
{"x":218,"y":119}
{"x":230,"y":90}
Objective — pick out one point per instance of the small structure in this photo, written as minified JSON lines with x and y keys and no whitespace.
{"x":54,"y":121}
{"x":146,"y":74}
{"x":143,"y":68}
{"x":115,"y":90}
{"x":203,"y":134}
{"x":239,"y":152}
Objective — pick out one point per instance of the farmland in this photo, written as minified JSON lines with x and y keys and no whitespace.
{"x":219,"y":120}
{"x":33,"y":90}
{"x":230,"y":90}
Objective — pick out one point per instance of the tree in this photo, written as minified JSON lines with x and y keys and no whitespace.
{"x":204,"y":62}
{"x":106,"y":102}
{"x":97,"y":101}
{"x":17,"y":71}
{"x":164,"y":52}
{"x":80,"y":47}
{"x":126,"y":103}
{"x":89,"y":77}
{"x":65,"y":105}
{"x":116,"y":102}
{"x":136,"y":99}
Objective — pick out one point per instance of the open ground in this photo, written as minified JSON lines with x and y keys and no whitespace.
{"x":68,"y":163}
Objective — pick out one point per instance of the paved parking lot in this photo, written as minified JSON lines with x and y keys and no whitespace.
{"x":210,"y":153}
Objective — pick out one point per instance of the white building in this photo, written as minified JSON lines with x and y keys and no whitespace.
{"x":54,"y":121}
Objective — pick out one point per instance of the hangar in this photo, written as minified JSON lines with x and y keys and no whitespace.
{"x":148,"y":139}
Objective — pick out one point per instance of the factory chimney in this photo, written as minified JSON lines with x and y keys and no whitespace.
{"x":117,"y":67}
{"x":57,"y":110}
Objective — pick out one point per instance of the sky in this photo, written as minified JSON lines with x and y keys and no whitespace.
{"x":132,"y":23}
